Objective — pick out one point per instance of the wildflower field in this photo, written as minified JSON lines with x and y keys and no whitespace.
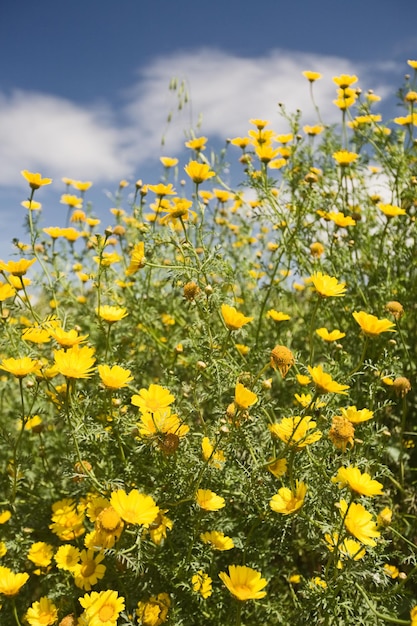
{"x":208,"y":410}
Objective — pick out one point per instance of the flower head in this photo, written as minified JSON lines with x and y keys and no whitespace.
{"x":324,"y":382}
{"x":153,"y":399}
{"x":371,"y":325}
{"x":111,"y":314}
{"x":154,"y":612}
{"x":202,"y":584}
{"x":360,"y":483}
{"x":208,"y":500}
{"x":287,"y":501}
{"x":342,"y":433}
{"x":233,"y":318}
{"x":244,"y":583}
{"x":344,"y":157}
{"x":89,"y":570}
{"x":134,"y":507}
{"x":217,"y":540}
{"x":17,"y":268}
{"x":358,"y":521}
{"x":244,"y":398}
{"x":329,"y":336}
{"x":327,"y":286}
{"x":11,"y":583}
{"x":114,"y":377}
{"x":102,"y":608}
{"x":355,"y":415}
{"x":281,"y":359}
{"x":295,"y":431}
{"x":20,"y":367}
{"x":76,"y":362}
{"x":42,"y":613}
{"x":35,"y":180}
{"x":199,"y":172}
{"x":312,"y":76}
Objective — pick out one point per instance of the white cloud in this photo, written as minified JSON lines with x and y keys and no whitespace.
{"x":42,"y":132}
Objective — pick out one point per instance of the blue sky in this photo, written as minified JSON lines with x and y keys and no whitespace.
{"x":84,"y":84}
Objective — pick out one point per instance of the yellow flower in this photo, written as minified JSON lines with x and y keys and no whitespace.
{"x":358,"y":521}
{"x":344,"y":157}
{"x":154,"y":611}
{"x":111,"y":314}
{"x":41,"y":553}
{"x":395,"y":308}
{"x":355,"y":415}
{"x":391,"y":210}
{"x":134,"y":507}
{"x":11,"y":583}
{"x":137,"y":259}
{"x":327,"y":286}
{"x":32,"y":205}
{"x":162,"y":190}
{"x":67,"y":520}
{"x":342,"y":433}
{"x":6,"y":291}
{"x":153,"y":399}
{"x":244,"y":583}
{"x":35,"y":180}
{"x":345,"y":80}
{"x":287,"y":501}
{"x":260,"y":124}
{"x":36,"y":335}
{"x":215,"y":458}
{"x":17,"y":268}
{"x":197,"y":144}
{"x":202,"y":584}
{"x":313,"y":130}
{"x":302,"y":379}
{"x":333,"y":335}
{"x":75,"y":362}
{"x":208,"y":500}
{"x":114,"y":377}
{"x":66,"y":338}
{"x":278,"y":467}
{"x":101,"y":608}
{"x":412,"y":64}
{"x":217,"y":540}
{"x":159,"y":527}
{"x":340,"y":219}
{"x":312,"y":76}
{"x":180,"y":209}
{"x":384,"y":518}
{"x":42,"y":613}
{"x":71,"y":201}
{"x":324,"y":382}
{"x":233,"y":318}
{"x":360,"y":483}
{"x":294,"y":431}
{"x":67,"y":557}
{"x":347,"y":549}
{"x":371,"y":325}
{"x":198,"y":172}
{"x":244,"y":398}
{"x":80,"y":185}
{"x":168,"y":161}
{"x":20,"y":367}
{"x":281,"y":359}
{"x":277,"y":316}
{"x":162,"y":422}
{"x":5,"y":516}
{"x":391,"y":570}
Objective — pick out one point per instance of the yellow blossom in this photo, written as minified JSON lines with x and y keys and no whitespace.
{"x":111,"y":314}
{"x":330,"y":336}
{"x":244,"y":583}
{"x":295,"y":431}
{"x":153,"y":399}
{"x":324,"y":382}
{"x":327,"y":286}
{"x":42,"y":613}
{"x":277,"y":316}
{"x":154,"y":611}
{"x":101,"y":608}
{"x":134,"y":507}
{"x":202,"y":584}
{"x":17,"y":268}
{"x":20,"y":367}
{"x":371,"y":325}
{"x":344,"y":157}
{"x":114,"y":377}
{"x":233,"y":318}
{"x":198,"y":172}
{"x":244,"y":398}
{"x":281,"y":359}
{"x":11,"y":583}
{"x":76,"y":362}
{"x":360,"y":483}
{"x":217,"y":540}
{"x":287,"y":501}
{"x":312,"y":76}
{"x":356,"y":416}
{"x":208,"y":500}
{"x":341,"y":433}
{"x":35,"y":180}
{"x":358,"y":521}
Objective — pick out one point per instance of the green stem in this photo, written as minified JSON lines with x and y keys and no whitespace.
{"x":16,"y":617}
{"x":382,"y":616}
